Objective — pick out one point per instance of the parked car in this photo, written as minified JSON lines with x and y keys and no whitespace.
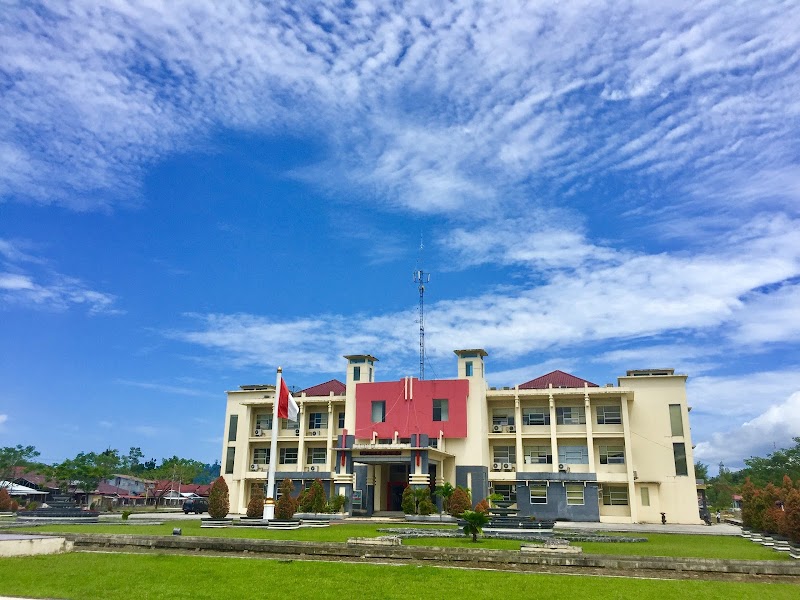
{"x":195,"y":505}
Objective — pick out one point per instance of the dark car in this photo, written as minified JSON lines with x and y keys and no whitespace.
{"x":195,"y":505}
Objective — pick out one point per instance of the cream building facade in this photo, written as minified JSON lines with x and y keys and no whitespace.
{"x":555,"y":447}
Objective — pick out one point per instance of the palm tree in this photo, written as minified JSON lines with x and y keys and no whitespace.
{"x":474,"y":522}
{"x":445,"y":492}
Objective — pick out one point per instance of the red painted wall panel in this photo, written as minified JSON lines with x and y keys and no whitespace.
{"x":408,"y":415}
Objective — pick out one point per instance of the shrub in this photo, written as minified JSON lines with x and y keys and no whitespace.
{"x":483,"y":506}
{"x":14,"y":506}
{"x":32,"y":505}
{"x":408,"y":503}
{"x":474,"y":522}
{"x":5,"y":500}
{"x":791,"y":519}
{"x":125,"y":514}
{"x":753,"y":506}
{"x":255,"y":508}
{"x":459,"y":502}
{"x":320,"y":500}
{"x":286,"y":505}
{"x":336,"y":504}
{"x":445,"y":492}
{"x":219,"y":504}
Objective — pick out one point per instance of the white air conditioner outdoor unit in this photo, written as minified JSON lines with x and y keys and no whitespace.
{"x":313,"y":468}
{"x":497,"y":466}
{"x":254,"y":467}
{"x":507,"y":466}
{"x":497,"y":428}
{"x":635,"y":475}
{"x":297,"y":432}
{"x":512,"y":429}
{"x":315,"y":432}
{"x":257,"y":432}
{"x":562,"y":467}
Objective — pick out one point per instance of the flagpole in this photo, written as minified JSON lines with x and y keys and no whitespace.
{"x":269,"y":508}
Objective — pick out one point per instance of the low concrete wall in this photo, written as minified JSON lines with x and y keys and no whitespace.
{"x":420,"y":553}
{"x":33,"y":546}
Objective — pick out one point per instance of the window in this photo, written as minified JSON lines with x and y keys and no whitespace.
{"x":356,"y":373}
{"x":370,"y":374}
{"x":574,"y":493}
{"x":536,"y":416}
{"x":468,"y":368}
{"x":378,"y":411}
{"x":538,"y":455}
{"x":341,"y":420}
{"x":502,"y":418}
{"x":317,"y":420}
{"x":504,"y":454}
{"x":287,"y":424}
{"x":440,"y":410}
{"x":676,"y":419}
{"x":609,"y":415}
{"x":571,"y":415}
{"x":679,"y":450}
{"x":574,"y":455}
{"x":612,"y":455}
{"x":538,"y":493}
{"x":615,"y":495}
{"x":263,"y":421}
{"x":645,"y":496}
{"x":234,"y":424}
{"x":230,"y":457}
{"x":508,"y":492}
{"x":288,"y":456}
{"x":260,"y":456}
{"x":316,"y":456}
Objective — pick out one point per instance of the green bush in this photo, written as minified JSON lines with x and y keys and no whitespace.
{"x":320,"y":499}
{"x":219,"y":504}
{"x":336,"y":504}
{"x":407,"y":503}
{"x":32,"y":505}
{"x":255,"y":508}
{"x":5,"y":500}
{"x":125,"y":514}
{"x":286,"y":505}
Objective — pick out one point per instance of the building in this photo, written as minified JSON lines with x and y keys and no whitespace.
{"x":556,"y":447}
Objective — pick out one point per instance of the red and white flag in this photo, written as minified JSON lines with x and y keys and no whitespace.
{"x":287,"y":407}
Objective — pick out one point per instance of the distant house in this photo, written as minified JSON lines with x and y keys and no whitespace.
{"x":173,"y":493}
{"x":22,"y":493}
{"x":736,"y":504}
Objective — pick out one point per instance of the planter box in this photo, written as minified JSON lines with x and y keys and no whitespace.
{"x":432,"y":518}
{"x":207,"y":522}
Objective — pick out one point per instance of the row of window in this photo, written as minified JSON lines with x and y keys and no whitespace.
{"x":567,"y":454}
{"x":441,"y":410}
{"x":565,"y":415}
{"x":316,"y":420}
{"x":576,"y":494}
{"x":288,"y":456}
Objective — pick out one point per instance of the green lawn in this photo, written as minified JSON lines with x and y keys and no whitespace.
{"x":658,"y":544}
{"x":82,"y":576}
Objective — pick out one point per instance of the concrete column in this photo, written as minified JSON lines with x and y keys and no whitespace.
{"x":330,"y":453}
{"x":301,"y":441}
{"x":553,"y":438}
{"x":589,"y":434}
{"x":518,"y":435}
{"x":633,"y":501}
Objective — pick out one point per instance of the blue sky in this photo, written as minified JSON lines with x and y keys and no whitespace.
{"x":192,"y":194}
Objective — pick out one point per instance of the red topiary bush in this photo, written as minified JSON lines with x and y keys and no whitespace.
{"x":459,"y":502}
{"x":219,"y":504}
{"x":14,"y":506}
{"x":483,"y":506}
{"x":255,"y":508}
{"x":5,"y":500}
{"x":286,"y":505}
{"x":791,"y":519}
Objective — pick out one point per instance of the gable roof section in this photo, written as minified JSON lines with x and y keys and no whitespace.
{"x":325,"y":389}
{"x":559,"y":379}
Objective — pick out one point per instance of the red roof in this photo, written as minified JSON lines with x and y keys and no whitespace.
{"x":37,"y":479}
{"x":559,"y":379}
{"x":325,"y":389}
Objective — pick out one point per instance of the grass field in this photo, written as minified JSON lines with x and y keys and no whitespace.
{"x":658,"y":544}
{"x":83,"y":576}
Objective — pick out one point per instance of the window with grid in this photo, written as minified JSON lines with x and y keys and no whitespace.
{"x":317,"y":420}
{"x":609,"y":415}
{"x":260,"y":456}
{"x":573,"y":455}
{"x":612,"y":455}
{"x":341,"y":420}
{"x":378,"y":411}
{"x":538,"y":493}
{"x":570,"y":415}
{"x":502,"y":418}
{"x":356,"y":373}
{"x":288,"y":456}
{"x":263,"y":421}
{"x":508,"y":492}
{"x":538,"y":455}
{"x":575,"y":493}
{"x":316,"y":456}
{"x":615,"y":495}
{"x":536,"y":416}
{"x":504,"y":454}
{"x":441,"y":410}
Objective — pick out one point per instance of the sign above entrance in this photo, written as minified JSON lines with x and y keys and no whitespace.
{"x":380,"y":453}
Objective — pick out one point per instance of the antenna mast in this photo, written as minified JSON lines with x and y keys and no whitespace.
{"x":421,"y":278}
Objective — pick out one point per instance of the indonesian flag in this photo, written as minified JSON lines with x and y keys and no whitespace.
{"x":287,"y":407}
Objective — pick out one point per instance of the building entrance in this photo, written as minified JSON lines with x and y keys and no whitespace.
{"x":398,"y":480}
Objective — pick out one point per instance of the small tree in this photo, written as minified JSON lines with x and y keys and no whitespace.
{"x":219,"y":504}
{"x":425,"y":505}
{"x":459,"y":502}
{"x":255,"y":508}
{"x":474,"y":522}
{"x":408,"y":502}
{"x":445,"y":492}
{"x":5,"y":500}
{"x":320,"y":499}
{"x":483,"y":506}
{"x":286,"y":505}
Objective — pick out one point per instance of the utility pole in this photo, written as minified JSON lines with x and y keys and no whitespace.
{"x":421,"y":278}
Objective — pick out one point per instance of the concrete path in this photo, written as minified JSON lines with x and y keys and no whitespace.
{"x":716,"y":529}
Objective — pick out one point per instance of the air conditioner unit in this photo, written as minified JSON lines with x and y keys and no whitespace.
{"x":512,"y":429}
{"x":507,"y":466}
{"x":562,"y":467}
{"x":635,"y":475}
{"x":254,"y":467}
{"x":497,"y":428}
{"x":297,"y":432}
{"x":315,"y":432}
{"x":497,"y":466}
{"x":257,"y":432}
{"x":313,"y":468}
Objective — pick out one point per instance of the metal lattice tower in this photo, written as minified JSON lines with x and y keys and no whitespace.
{"x":421,"y":278}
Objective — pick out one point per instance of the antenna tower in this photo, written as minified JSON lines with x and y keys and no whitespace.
{"x":421,"y":278}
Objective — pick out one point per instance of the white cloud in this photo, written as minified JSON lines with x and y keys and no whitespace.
{"x":3,"y":419}
{"x":167,"y":389}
